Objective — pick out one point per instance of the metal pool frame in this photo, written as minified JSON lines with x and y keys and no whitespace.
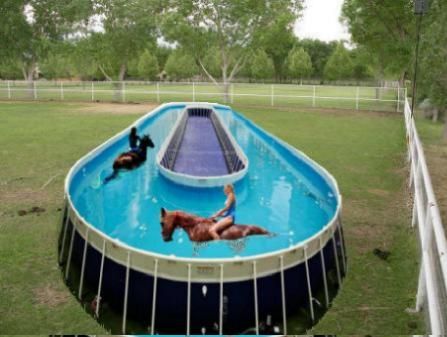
{"x":229,"y":294}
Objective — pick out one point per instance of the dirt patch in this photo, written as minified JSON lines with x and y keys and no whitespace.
{"x":23,"y":196}
{"x":33,"y":210}
{"x":117,"y":108}
{"x":379,"y":192}
{"x":49,"y":296}
{"x":437,"y":165}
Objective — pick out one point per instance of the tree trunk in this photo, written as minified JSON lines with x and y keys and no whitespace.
{"x":435,"y":115}
{"x":444,"y":133}
{"x":29,"y":73}
{"x":118,"y":94}
{"x":226,"y":91}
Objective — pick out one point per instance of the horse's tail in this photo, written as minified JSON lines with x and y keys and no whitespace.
{"x":255,"y":230}
{"x":113,"y":175}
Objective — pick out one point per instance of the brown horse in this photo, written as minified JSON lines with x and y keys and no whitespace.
{"x":131,"y":159}
{"x":198,"y":227}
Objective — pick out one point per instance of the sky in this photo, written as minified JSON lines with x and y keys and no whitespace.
{"x":320,"y":20}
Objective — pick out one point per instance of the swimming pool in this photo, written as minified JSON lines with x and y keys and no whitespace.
{"x":118,"y":246}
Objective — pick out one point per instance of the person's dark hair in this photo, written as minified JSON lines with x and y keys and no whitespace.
{"x":133,"y":130}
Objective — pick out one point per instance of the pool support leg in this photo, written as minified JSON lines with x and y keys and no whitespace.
{"x":283,"y":296}
{"x":334,"y":245}
{"x":70,"y":251}
{"x":309,"y":289}
{"x":188,"y":302}
{"x":255,"y":289}
{"x":101,"y":270}
{"x":84,"y":254}
{"x":221,"y":300}
{"x":154,"y":296}
{"x":64,"y":236}
{"x":323,"y":267}
{"x":126,"y":289}
{"x":342,"y":248}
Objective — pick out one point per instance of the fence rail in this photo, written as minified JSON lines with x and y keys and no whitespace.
{"x":432,"y":284}
{"x":359,"y":98}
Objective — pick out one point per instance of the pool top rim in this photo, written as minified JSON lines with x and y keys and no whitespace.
{"x":194,"y":260}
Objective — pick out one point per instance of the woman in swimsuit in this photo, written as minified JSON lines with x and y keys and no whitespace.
{"x":134,"y":139}
{"x":228,"y":213}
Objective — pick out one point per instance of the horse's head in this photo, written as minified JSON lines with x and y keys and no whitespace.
{"x":146,"y":141}
{"x":167,"y":222}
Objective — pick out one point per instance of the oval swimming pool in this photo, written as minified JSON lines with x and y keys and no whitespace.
{"x":117,"y":238}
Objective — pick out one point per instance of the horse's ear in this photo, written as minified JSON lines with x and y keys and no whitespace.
{"x":163,"y":212}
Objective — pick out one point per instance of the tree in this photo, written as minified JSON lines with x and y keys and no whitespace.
{"x":129,"y":28}
{"x":277,"y":40}
{"x":29,"y":28}
{"x":339,"y":66}
{"x":231,"y":27}
{"x":58,"y":63}
{"x":181,"y":65}
{"x":299,"y":64}
{"x":319,"y":52}
{"x":148,"y":65}
{"x":433,"y":72}
{"x":363,"y":63}
{"x":261,"y":65}
{"x":386,"y":30}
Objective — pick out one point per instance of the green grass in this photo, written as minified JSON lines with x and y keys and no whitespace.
{"x":331,"y":96}
{"x":364,"y":151}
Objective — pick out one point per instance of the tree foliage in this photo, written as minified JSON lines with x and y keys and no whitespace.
{"x":339,"y":66}
{"x":261,"y":65}
{"x":181,"y":65}
{"x":29,"y":28}
{"x":129,"y":28}
{"x":231,"y":27}
{"x":433,"y":55}
{"x":299,"y":64}
{"x":385,"y":29}
{"x":319,"y":52}
{"x":148,"y":65}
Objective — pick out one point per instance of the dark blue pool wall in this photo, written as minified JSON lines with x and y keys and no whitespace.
{"x":239,"y":310}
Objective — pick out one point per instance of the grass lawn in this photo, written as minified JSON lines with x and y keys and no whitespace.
{"x":365,"y":152}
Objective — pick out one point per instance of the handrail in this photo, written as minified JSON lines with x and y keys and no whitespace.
{"x":426,"y":214}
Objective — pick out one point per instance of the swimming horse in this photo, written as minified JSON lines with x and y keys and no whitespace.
{"x":197,"y":227}
{"x":131,"y":159}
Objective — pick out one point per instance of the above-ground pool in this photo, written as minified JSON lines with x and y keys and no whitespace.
{"x":111,"y":232}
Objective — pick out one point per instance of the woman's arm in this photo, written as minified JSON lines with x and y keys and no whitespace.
{"x":228,"y":204}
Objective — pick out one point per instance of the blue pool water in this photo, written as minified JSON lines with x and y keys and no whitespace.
{"x":280,"y":193}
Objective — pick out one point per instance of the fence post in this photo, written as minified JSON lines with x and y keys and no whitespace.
{"x":193,"y":92}
{"x":357,"y":92}
{"x":35,"y":89}
{"x":272,"y":95}
{"x":93,"y":91}
{"x":314,"y":97}
{"x":9,"y":90}
{"x":123,"y":92}
{"x":158,"y":92}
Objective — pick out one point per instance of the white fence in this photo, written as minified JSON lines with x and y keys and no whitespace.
{"x":432,"y":285}
{"x":348,"y":97}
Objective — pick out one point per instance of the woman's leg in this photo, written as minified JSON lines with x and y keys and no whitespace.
{"x":220,"y":226}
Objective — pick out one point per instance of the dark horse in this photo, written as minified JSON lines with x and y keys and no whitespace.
{"x":198,"y":227}
{"x":131,"y":159}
